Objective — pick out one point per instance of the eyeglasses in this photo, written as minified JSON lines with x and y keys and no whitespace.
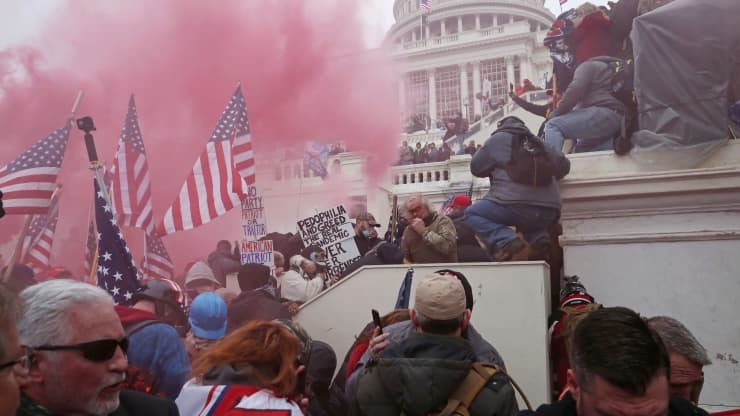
{"x":22,"y":365}
{"x":96,"y":351}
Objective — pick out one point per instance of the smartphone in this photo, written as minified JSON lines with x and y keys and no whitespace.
{"x":376,"y":319}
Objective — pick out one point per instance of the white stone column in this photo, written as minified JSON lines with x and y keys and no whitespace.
{"x":477,"y":22}
{"x":494,"y":19}
{"x":525,"y":69}
{"x":443,"y":27}
{"x":511,"y":18}
{"x":459,"y":24}
{"x":432,"y":97}
{"x":413,"y":35}
{"x":510,"y":72}
{"x":426,"y":28}
{"x":464,"y":90}
{"x":476,"y":88}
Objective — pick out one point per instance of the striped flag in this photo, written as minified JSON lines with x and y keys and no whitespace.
{"x":427,"y":5}
{"x":131,"y":189}
{"x":242,"y":147}
{"x":116,"y":269}
{"x":91,"y":252}
{"x":214,"y":186}
{"x":29,"y":181}
{"x":37,"y":242}
{"x":157,"y":263}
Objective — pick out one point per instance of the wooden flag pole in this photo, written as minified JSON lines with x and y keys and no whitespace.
{"x":27,"y":223}
{"x":394,"y":217}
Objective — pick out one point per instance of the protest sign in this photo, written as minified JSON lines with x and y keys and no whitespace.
{"x":260,"y":252}
{"x":254,"y":221}
{"x":332,"y":231}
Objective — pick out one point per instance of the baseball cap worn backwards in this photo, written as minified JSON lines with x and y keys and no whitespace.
{"x":440,"y":297}
{"x":208,"y":316}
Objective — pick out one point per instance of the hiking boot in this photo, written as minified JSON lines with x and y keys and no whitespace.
{"x":516,"y":250}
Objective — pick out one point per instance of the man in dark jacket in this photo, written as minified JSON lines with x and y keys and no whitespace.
{"x":365,"y":237}
{"x":419,"y":375}
{"x":531,"y":209}
{"x":223,"y":261}
{"x":619,"y":366}
{"x":258,"y":300}
{"x":468,"y":247}
{"x":79,"y":360}
{"x":587,"y":110}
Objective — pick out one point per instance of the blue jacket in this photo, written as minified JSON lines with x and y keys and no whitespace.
{"x":492,"y":158}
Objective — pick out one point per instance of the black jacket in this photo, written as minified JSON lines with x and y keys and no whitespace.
{"x":255,"y":305}
{"x":132,"y":403}
{"x":567,"y":407}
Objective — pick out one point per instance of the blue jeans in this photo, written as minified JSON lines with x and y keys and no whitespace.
{"x":491,"y":222}
{"x":590,"y":126}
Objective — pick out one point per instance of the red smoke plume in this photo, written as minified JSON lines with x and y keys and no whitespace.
{"x":305,"y":72}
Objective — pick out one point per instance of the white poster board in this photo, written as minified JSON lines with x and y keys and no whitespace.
{"x":254,"y":226}
{"x":332,"y":231}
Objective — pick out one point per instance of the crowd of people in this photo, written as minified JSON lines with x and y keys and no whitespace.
{"x":67,"y":349}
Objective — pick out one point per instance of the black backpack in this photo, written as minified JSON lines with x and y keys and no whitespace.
{"x":530,"y":162}
{"x":623,"y":89}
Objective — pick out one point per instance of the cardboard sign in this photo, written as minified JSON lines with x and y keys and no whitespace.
{"x":254,"y":221}
{"x":332,"y":231}
{"x":260,"y":252}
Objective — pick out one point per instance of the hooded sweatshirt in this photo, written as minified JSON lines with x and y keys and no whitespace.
{"x":156,"y":348}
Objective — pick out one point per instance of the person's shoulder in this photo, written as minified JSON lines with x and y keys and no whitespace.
{"x":135,"y":403}
{"x":678,"y":406}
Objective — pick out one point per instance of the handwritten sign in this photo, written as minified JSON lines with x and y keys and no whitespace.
{"x":260,"y":252}
{"x":332,"y":231}
{"x":254,"y":221}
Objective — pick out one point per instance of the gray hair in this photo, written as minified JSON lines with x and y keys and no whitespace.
{"x":677,"y":338}
{"x":10,"y":311}
{"x":422,"y":201}
{"x":46,"y":304}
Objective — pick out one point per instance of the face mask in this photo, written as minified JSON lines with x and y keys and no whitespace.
{"x":366,"y":233}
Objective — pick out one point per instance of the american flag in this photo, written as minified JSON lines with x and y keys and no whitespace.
{"x":562,"y":2}
{"x":427,"y":5}
{"x":157,"y":263}
{"x":29,"y":181}
{"x":91,"y":252}
{"x":37,"y":242}
{"x":214,"y":186}
{"x":130,"y":189}
{"x":116,"y":268}
{"x":242,"y":147}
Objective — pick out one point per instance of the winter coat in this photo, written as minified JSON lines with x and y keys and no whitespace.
{"x":567,"y":407}
{"x":400,"y":331}
{"x":294,"y":287}
{"x":591,"y":87}
{"x":255,"y":305}
{"x":417,"y":377}
{"x":223,"y":264}
{"x":132,"y":403}
{"x":366,"y":244}
{"x":437,"y":244}
{"x":156,"y":348}
{"x":229,"y":391}
{"x":491,"y":162}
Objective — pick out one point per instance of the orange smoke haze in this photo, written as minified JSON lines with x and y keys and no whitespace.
{"x":304,"y":69}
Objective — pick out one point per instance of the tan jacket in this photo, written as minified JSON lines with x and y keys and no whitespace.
{"x":437,"y":244}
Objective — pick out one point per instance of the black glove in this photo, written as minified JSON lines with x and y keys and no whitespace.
{"x":2,"y":211}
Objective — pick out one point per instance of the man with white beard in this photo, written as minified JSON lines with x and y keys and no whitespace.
{"x":79,"y":355}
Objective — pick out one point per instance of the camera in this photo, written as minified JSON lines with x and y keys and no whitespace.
{"x":86,"y":124}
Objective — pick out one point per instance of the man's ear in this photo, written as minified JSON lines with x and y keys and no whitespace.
{"x":35,"y":374}
{"x":572,"y":385}
{"x":466,"y":318}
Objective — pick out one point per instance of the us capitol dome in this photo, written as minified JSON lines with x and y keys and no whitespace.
{"x":446,"y":55}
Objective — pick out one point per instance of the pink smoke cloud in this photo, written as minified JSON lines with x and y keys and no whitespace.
{"x":304,"y":69}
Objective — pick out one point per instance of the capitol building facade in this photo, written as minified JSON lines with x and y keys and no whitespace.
{"x":445,"y":56}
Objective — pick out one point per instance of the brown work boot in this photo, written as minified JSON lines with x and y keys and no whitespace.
{"x":516,"y":250}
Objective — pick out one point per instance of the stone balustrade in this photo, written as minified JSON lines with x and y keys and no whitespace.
{"x":509,"y":29}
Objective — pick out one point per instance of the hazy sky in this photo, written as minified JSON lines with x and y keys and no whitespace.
{"x":21,"y":18}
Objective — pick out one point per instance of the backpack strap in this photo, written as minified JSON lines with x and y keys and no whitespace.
{"x":139,"y":325}
{"x":474,"y":382}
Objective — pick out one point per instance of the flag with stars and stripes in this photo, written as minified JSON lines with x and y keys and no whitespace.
{"x":130,"y":188}
{"x":116,"y":269}
{"x":426,"y":5}
{"x":36,"y":248}
{"x":157,"y":263}
{"x":242,"y":147}
{"x":214,"y":186}
{"x":29,"y":181}
{"x":91,"y":252}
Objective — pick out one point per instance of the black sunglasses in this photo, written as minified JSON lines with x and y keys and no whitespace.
{"x":100,"y":350}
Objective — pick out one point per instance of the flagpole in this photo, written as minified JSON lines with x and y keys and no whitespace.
{"x":19,"y":244}
{"x":394,"y":217}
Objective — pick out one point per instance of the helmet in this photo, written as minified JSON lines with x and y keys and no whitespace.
{"x":169,"y":301}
